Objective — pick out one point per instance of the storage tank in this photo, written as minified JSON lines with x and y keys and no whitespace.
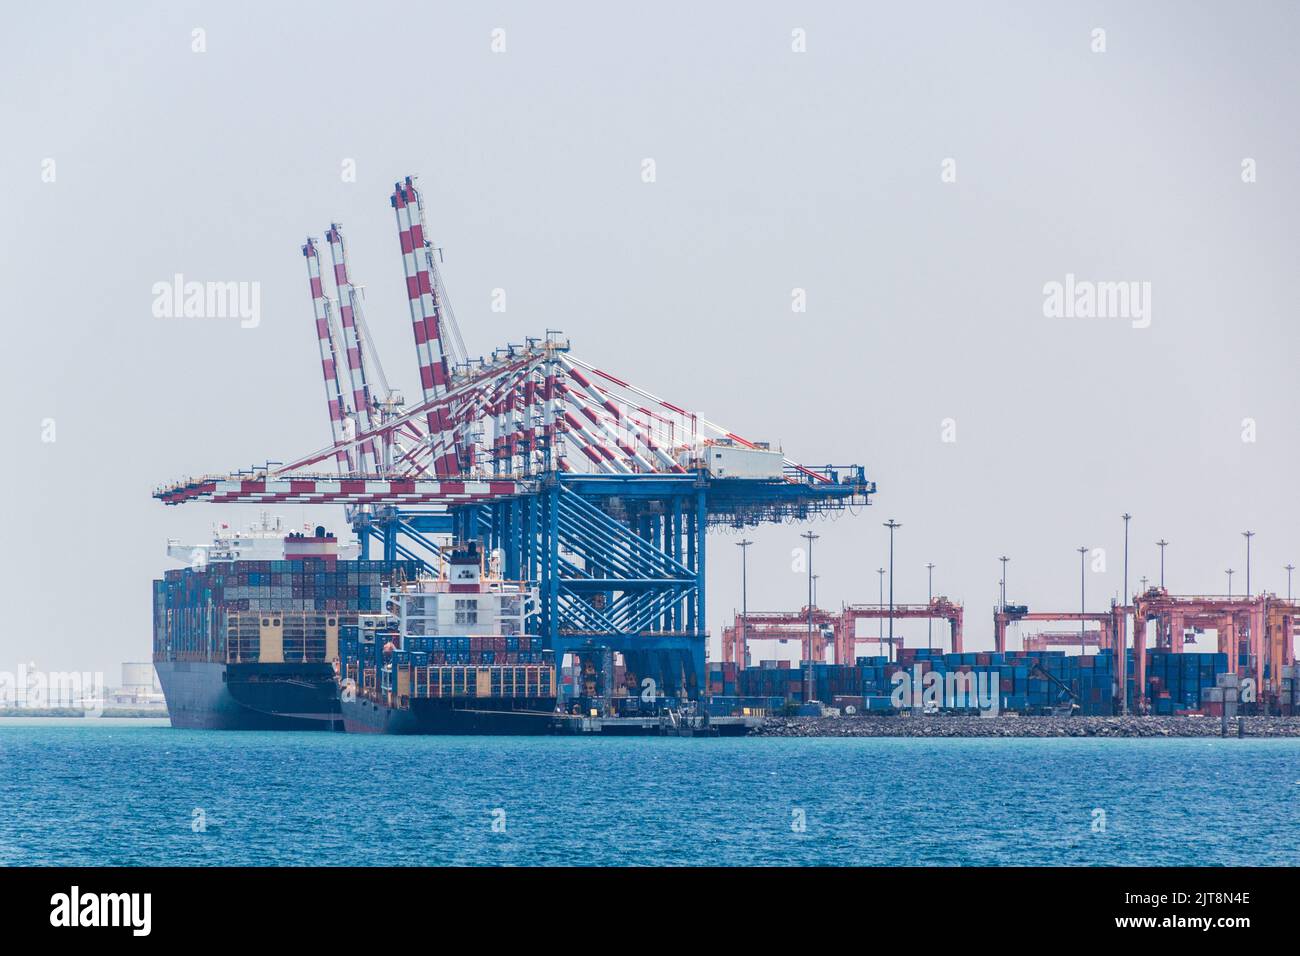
{"x":137,"y":676}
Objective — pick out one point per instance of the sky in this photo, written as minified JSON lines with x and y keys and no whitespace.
{"x":923,"y":172}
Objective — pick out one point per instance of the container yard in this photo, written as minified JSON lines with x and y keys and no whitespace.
{"x":1254,"y":637}
{"x":1025,"y":682}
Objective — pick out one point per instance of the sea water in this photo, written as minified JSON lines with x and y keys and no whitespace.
{"x":126,"y":792}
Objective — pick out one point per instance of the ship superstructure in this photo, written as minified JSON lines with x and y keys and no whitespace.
{"x":262,"y":540}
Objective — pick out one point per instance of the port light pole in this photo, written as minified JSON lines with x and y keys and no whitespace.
{"x":743,"y":545}
{"x":810,"y":537}
{"x":1289,"y":569}
{"x":880,"y":621}
{"x":929,"y":621}
{"x":1229,"y":573}
{"x":1248,"y":535}
{"x":1004,"y":559}
{"x":892,"y":525}
{"x":1162,"y":544}
{"x":1126,"y":516}
{"x":1083,"y":602}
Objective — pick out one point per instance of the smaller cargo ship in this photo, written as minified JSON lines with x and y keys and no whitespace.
{"x":449,"y":655}
{"x":247,"y":636}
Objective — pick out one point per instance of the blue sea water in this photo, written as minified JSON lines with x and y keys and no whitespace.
{"x":106,"y":792}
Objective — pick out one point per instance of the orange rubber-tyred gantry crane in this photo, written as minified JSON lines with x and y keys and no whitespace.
{"x":780,"y":626}
{"x":939,"y":609}
{"x":1262,"y":628}
{"x":1109,"y":634}
{"x":832,"y":629}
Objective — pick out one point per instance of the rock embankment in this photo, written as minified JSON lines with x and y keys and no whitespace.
{"x":953,"y":726}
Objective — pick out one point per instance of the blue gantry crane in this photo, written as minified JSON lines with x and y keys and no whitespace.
{"x":597,"y":491}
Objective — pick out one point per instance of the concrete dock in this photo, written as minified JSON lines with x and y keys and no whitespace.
{"x":663,"y":725}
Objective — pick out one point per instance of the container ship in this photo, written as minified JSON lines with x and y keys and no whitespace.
{"x":247,"y":637}
{"x":449,"y":655}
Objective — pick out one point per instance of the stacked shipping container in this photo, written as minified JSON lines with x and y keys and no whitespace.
{"x":220,"y":612}
{"x":1178,"y":682}
{"x":1026,"y":681}
{"x":1290,"y":689}
{"x":512,"y":649}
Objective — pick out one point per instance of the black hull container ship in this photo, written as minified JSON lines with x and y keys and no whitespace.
{"x":206,"y":695}
{"x":449,"y":655}
{"x":247,"y":637}
{"x":502,"y":716}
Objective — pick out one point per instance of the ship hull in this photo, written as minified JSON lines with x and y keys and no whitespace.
{"x":214,"y":696}
{"x":470,"y":716}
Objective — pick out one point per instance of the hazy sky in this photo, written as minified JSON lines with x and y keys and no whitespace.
{"x":776,"y":170}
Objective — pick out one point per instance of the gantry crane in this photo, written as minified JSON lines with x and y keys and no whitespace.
{"x":834,"y":629}
{"x":595,"y":489}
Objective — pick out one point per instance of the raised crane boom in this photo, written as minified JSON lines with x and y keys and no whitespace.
{"x":425,"y":321}
{"x":338,"y":407}
{"x":490,"y":428}
{"x":362,"y":401}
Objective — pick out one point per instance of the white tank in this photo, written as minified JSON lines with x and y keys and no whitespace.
{"x":137,"y":676}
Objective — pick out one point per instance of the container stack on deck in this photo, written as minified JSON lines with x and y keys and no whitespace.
{"x":309,"y":584}
{"x":418,"y":652}
{"x":197,"y":610}
{"x":482,"y":651}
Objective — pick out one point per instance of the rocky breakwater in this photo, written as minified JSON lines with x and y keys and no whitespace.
{"x":972,"y":726}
